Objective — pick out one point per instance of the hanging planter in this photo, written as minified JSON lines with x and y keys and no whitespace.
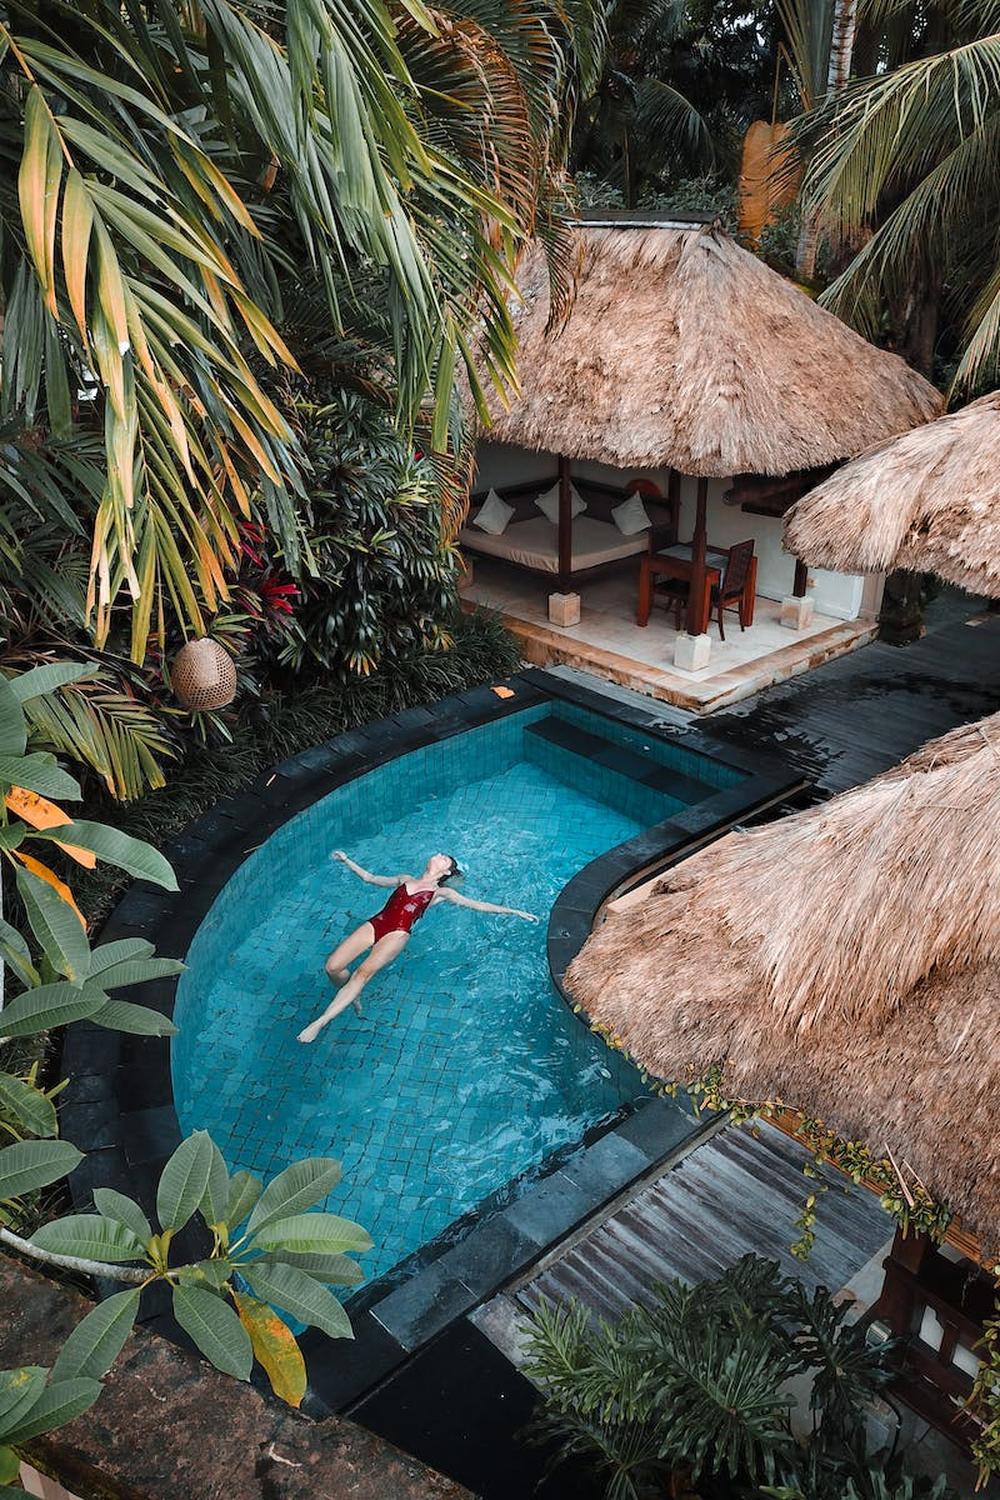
{"x":203,"y":676}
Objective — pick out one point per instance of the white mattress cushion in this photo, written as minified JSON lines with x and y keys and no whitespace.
{"x":535,"y":544}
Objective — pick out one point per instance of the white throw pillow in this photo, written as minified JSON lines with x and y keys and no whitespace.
{"x":493,"y":515}
{"x":548,"y":503}
{"x":630,"y":517}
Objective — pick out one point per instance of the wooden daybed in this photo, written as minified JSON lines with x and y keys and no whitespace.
{"x":578,"y":548}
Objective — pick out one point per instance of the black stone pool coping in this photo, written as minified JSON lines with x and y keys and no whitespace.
{"x":118,"y":1107}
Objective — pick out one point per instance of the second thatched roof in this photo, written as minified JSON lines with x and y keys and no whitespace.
{"x":845,"y":961}
{"x":928,"y":501}
{"x":684,"y":351}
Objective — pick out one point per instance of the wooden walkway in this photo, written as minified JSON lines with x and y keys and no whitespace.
{"x":739,"y":1192}
{"x":855,"y":717}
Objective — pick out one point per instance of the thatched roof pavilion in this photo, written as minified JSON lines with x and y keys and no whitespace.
{"x":684,"y":351}
{"x":928,"y":501}
{"x":845,"y":961}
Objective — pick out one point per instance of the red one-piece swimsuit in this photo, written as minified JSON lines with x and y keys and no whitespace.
{"x":401,"y":911}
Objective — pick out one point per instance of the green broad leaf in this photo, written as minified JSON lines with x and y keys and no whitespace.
{"x":212,"y":1273}
{"x":136,"y":1020}
{"x":19,"y":1390}
{"x":216,"y":1196}
{"x":295,"y":1292}
{"x":107,"y":955}
{"x":89,"y":1237}
{"x":15,"y":951}
{"x":13,"y":725}
{"x":10,"y":1467}
{"x":59,"y":1403}
{"x":244,"y":1190}
{"x":122,"y":1210}
{"x":184,"y":1180}
{"x":56,"y":927}
{"x":325,"y":1233}
{"x":35,"y":1164}
{"x":336,"y":1270}
{"x":294,"y":1190}
{"x":116,"y":848}
{"x":15,"y":1492}
{"x":97,"y":1341}
{"x":38,"y":773}
{"x":32,"y":1110}
{"x":13,"y":835}
{"x":46,"y":679}
{"x":48,"y":1006}
{"x":139,"y":971}
{"x":215,"y":1329}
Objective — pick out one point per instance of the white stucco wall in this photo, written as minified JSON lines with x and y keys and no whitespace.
{"x":836,"y":594}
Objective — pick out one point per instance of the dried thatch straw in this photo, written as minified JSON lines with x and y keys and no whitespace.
{"x":845,"y":960}
{"x":928,"y":501}
{"x":683,"y":350}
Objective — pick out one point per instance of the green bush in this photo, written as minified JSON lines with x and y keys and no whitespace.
{"x":691,"y":1395}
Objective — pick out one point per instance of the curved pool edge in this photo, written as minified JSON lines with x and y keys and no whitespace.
{"x":118,"y":1108}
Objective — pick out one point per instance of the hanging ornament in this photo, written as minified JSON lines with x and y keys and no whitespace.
{"x":203,"y":676}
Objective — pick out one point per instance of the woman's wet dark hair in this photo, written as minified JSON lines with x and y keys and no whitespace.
{"x":455,"y":869}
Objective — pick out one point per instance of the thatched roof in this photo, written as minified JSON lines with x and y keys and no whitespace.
{"x":928,"y":501}
{"x":845,"y":960}
{"x":683,"y":350}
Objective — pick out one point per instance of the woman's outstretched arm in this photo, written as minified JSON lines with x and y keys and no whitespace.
{"x":367,"y":875}
{"x":500,"y":911}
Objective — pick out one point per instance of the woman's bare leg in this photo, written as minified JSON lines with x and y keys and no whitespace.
{"x":383,"y":953}
{"x":346,"y":952}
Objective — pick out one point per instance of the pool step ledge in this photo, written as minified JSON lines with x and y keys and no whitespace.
{"x":501,"y":1248}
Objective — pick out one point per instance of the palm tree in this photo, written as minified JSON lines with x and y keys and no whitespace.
{"x":169,"y":169}
{"x":905,"y":164}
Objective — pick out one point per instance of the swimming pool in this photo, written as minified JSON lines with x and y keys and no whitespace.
{"x":466,"y":1070}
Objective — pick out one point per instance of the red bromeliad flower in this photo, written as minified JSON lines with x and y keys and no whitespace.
{"x":277,"y":596}
{"x":252,"y":542}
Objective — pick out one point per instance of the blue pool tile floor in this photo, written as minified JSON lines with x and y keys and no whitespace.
{"x":466,"y":1068}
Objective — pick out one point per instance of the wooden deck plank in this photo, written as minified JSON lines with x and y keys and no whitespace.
{"x":738,"y":1193}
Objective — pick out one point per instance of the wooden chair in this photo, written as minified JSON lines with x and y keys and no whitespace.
{"x":726,"y":595}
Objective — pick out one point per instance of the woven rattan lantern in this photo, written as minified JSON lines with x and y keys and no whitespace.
{"x":204,"y":676}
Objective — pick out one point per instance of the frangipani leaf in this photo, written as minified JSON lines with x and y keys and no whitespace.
{"x":215,"y":1329}
{"x":275,"y":1348}
{"x":295,"y":1189}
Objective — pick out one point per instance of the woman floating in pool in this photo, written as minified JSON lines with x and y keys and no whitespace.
{"x":386,"y":934}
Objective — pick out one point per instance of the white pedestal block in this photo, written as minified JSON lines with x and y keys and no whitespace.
{"x":564,"y":609}
{"x":691,"y":652}
{"x":797,"y":612}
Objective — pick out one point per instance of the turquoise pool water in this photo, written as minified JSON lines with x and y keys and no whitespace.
{"x":466,"y":1068}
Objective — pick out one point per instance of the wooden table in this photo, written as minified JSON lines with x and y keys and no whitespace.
{"x":676,"y":562}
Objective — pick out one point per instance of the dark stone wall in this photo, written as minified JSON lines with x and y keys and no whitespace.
{"x":169,"y":1427}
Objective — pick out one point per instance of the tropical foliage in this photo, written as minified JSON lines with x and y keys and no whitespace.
{"x":901,"y":170}
{"x":180,"y":180}
{"x":262,"y":1247}
{"x":692,"y":1392}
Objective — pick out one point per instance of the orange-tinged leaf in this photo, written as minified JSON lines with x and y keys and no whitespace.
{"x":40,"y":813}
{"x":38,"y":181}
{"x":274,"y":1347}
{"x":77,"y":223}
{"x":51,"y":878}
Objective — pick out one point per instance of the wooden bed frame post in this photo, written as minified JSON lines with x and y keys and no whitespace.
{"x":565,"y":527}
{"x":697,"y":614}
{"x":801,"y":580}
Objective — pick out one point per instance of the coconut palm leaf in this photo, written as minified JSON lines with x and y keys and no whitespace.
{"x":903,"y":163}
